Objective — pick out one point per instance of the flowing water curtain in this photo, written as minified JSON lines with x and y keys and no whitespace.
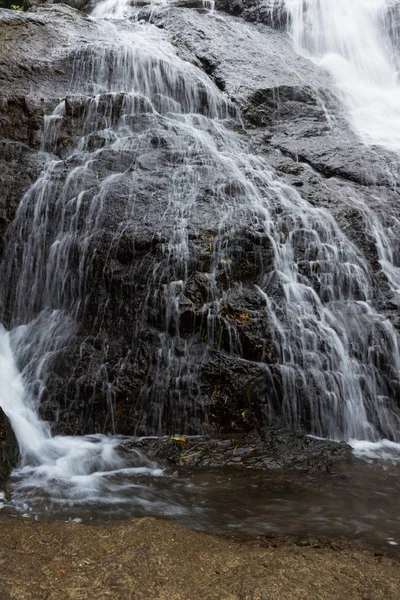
{"x":69,"y":205}
{"x":357,"y":42}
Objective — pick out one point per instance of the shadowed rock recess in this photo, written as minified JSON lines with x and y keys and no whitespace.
{"x":8,"y":448}
{"x":192,"y":238}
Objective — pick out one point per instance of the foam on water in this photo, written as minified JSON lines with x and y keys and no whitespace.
{"x":112,"y":9}
{"x":384,"y":450}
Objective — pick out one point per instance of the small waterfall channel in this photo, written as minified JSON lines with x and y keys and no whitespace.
{"x":337,"y":356}
{"x":357,"y":42}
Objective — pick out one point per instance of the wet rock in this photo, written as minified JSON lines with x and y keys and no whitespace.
{"x":36,"y":62}
{"x":272,"y":448}
{"x":8,"y":448}
{"x":80,"y":5}
{"x":303,"y":452}
{"x":267,"y":107}
{"x":241,"y":392}
{"x":76,"y":4}
{"x":269,"y":12}
{"x":260,"y":59}
{"x":340,"y":154}
{"x":284,"y":97}
{"x":109,"y":386}
{"x":288,"y":122}
{"x":19,"y":168}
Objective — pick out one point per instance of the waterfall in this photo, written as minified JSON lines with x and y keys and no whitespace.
{"x":30,"y":431}
{"x":353,"y":41}
{"x":337,"y":357}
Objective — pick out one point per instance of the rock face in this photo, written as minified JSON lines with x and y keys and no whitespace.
{"x":269,"y":12}
{"x":8,"y":448}
{"x":80,"y":5}
{"x":13,"y":156}
{"x":157,"y":343}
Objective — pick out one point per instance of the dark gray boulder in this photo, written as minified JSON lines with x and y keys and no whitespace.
{"x":269,"y":12}
{"x":8,"y":448}
{"x":271,"y":448}
{"x":15,"y":157}
{"x":80,"y":5}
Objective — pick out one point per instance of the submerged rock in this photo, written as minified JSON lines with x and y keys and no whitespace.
{"x":8,"y":448}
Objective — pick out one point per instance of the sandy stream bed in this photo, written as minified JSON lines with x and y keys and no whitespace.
{"x":149,"y":559}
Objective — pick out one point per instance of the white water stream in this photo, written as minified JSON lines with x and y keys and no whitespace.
{"x":357,"y":42}
{"x":351,"y":38}
{"x":66,"y":469}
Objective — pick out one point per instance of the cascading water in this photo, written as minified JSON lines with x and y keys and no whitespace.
{"x":66,"y":469}
{"x":357,"y":44}
{"x":30,"y":430}
{"x":338,"y":358}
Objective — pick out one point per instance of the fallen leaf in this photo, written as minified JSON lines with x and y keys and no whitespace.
{"x":242,"y":317}
{"x":179,"y":440}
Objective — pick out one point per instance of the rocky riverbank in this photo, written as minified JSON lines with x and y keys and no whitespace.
{"x":148,"y":559}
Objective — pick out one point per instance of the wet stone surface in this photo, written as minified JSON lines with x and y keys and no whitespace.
{"x":271,"y":449}
{"x":8,"y":448}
